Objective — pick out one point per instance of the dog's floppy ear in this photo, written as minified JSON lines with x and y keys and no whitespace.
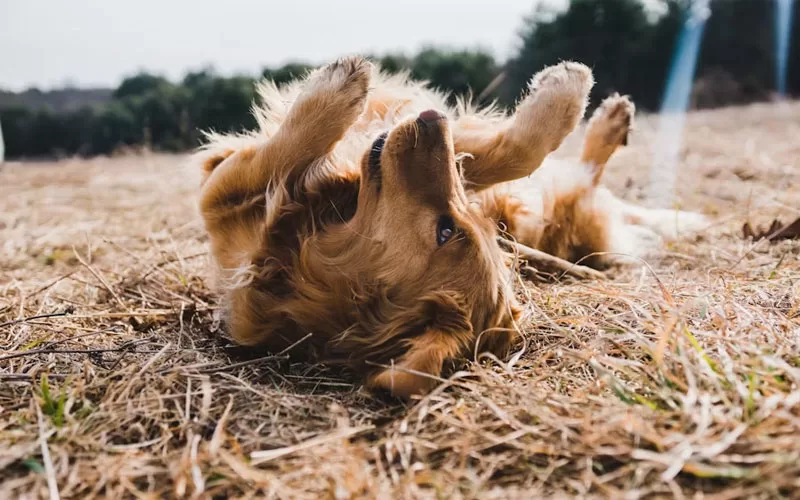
{"x":438,"y":329}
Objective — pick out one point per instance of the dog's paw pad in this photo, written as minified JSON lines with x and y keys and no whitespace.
{"x":613,"y":120}
{"x":556,"y":101}
{"x":348,"y":75}
{"x":567,"y":78}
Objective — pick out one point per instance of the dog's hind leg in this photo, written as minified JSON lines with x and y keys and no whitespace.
{"x":608,"y":129}
{"x":667,"y":223}
{"x":500,"y":151}
{"x":331,"y":101}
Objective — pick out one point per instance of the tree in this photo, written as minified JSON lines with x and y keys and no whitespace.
{"x":287,"y":72}
{"x":458,"y":72}
{"x":737,"y":58}
{"x":17,"y":128}
{"x":139,"y":85}
{"x":628,"y":52}
{"x":115,"y":127}
{"x":220,"y":104}
{"x":2,"y":145}
{"x":394,"y":63}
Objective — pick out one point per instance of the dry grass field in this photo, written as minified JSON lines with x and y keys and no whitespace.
{"x":678,"y":379}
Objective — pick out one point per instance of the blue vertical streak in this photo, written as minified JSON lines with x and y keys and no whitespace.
{"x":675,"y":104}
{"x":783,"y":24}
{"x":681,"y":74}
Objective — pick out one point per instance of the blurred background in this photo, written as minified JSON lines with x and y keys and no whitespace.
{"x":90,"y":77}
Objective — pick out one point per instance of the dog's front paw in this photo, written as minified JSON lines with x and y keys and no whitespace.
{"x":343,"y":84}
{"x":568,"y":80}
{"x":556,"y":102}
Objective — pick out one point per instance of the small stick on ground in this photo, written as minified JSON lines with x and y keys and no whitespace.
{"x":65,"y":312}
{"x":549,"y":264}
{"x":99,"y":278}
{"x":48,"y":350}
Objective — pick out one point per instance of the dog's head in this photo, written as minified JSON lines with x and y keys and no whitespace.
{"x":443,"y":279}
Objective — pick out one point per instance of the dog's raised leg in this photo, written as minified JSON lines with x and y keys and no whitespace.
{"x":333,"y":98}
{"x":608,"y":129}
{"x":514,"y":148}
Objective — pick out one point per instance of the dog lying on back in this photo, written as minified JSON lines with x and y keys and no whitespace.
{"x":365,"y":212}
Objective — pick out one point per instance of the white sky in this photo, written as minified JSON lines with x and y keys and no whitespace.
{"x":50,"y":43}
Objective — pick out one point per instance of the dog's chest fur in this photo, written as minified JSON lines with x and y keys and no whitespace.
{"x":281,"y":276}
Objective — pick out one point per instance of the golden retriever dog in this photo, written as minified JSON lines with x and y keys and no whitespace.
{"x":363,"y":215}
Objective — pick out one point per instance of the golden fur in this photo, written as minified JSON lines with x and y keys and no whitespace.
{"x":385,"y":250}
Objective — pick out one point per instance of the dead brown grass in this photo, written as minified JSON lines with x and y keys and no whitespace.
{"x":680,"y":382}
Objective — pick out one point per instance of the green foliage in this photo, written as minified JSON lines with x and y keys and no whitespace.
{"x":459,"y":72}
{"x":139,"y":85}
{"x":627,"y":51}
{"x":53,"y":408}
{"x":149,"y":110}
{"x":218,"y":103}
{"x":629,"y":48}
{"x":34,"y":465}
{"x":144,"y":110}
{"x":394,"y":63}
{"x":287,"y":72}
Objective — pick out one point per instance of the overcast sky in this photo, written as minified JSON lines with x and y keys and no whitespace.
{"x":50,"y":43}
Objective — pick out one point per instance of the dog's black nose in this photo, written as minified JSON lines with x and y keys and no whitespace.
{"x":431,"y":115}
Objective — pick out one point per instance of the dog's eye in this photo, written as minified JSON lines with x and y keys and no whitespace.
{"x":375,"y":153}
{"x":375,"y":160}
{"x":445,"y":229}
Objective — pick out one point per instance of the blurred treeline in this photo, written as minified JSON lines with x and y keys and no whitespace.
{"x":628,"y":45}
